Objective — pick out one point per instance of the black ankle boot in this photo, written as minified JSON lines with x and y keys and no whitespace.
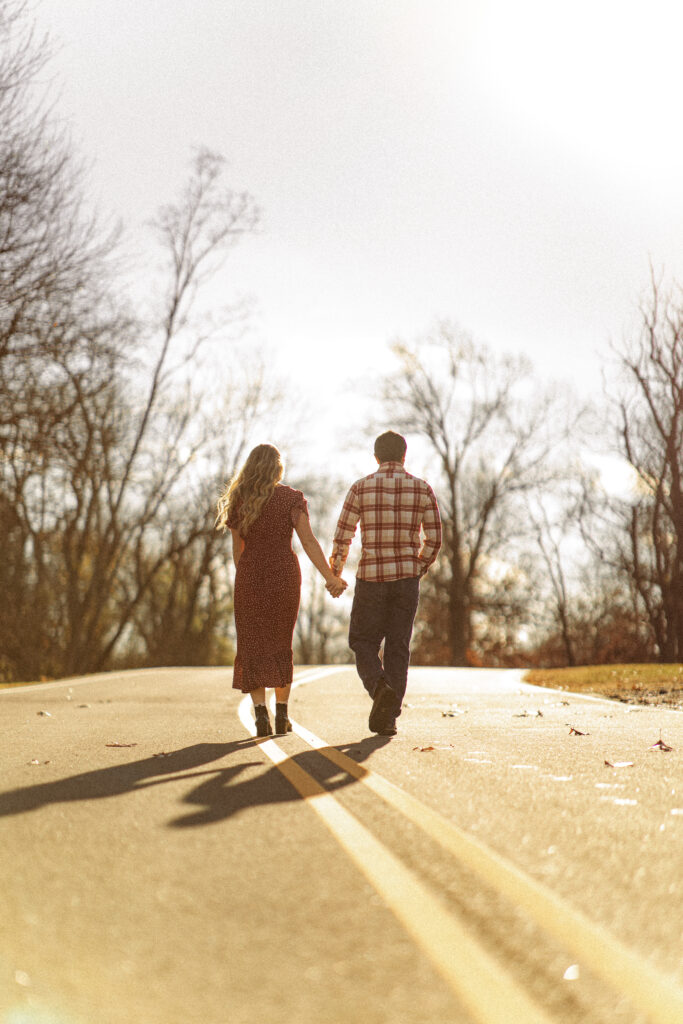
{"x":282,"y":722}
{"x":263,"y":726}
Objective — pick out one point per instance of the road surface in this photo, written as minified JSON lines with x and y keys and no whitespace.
{"x":161,"y":866}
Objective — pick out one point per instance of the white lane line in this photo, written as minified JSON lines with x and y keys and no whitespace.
{"x":659,"y":997}
{"x":491,"y":997}
{"x":308,"y":675}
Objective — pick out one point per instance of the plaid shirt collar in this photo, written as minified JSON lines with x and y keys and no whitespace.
{"x":390,"y":469}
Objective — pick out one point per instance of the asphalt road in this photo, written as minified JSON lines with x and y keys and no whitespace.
{"x":160,"y":866}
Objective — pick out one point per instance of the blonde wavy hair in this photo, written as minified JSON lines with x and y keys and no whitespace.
{"x":249,"y":490}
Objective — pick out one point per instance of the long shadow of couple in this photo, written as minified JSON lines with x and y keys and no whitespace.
{"x":221,"y":794}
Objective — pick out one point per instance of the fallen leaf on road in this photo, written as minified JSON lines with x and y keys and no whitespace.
{"x":163,"y":753}
{"x":620,"y":764}
{"x":526,"y":714}
{"x":45,"y":714}
{"x":120,"y":744}
{"x":576,"y":732}
{"x":453,"y":712}
{"x":36,"y":761}
{"x":446,"y":746}
{"x":661,"y":745}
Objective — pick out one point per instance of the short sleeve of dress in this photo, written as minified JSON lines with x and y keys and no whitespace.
{"x":299,"y":505}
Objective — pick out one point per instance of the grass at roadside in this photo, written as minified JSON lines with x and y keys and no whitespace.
{"x":13,"y":686}
{"x":638,"y":684}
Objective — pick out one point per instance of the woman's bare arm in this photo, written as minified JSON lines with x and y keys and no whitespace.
{"x":311,"y":546}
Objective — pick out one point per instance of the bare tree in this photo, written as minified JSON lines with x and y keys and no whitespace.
{"x":559,"y":523}
{"x":648,"y":537}
{"x":94,"y":461}
{"x":490,"y":434}
{"x":144,"y":466}
{"x":49,"y":248}
{"x":53,"y":349}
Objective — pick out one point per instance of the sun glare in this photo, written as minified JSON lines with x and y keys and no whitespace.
{"x":602,"y":79}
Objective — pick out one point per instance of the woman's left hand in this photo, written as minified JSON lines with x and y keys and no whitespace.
{"x":336,"y":586}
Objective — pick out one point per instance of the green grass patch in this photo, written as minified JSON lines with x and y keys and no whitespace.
{"x":625,"y":681}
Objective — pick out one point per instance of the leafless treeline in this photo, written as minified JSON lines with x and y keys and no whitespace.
{"x":113,"y":450}
{"x":541,"y":564}
{"x":111,"y":459}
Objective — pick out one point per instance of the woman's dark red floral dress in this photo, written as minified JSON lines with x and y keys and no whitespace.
{"x":267,"y":593}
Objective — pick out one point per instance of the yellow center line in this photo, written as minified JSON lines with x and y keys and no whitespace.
{"x":489,"y":995}
{"x":660,"y":998}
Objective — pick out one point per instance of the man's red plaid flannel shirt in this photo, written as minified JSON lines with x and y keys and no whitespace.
{"x":391,"y":505}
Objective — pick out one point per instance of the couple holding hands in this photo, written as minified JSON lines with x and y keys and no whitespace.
{"x":400,"y":539}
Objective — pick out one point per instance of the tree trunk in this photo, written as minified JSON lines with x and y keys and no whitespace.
{"x":458,"y":619}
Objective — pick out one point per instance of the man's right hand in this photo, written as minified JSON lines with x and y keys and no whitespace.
{"x":336,"y":587}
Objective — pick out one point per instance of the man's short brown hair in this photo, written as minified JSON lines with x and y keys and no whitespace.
{"x":390,"y":447}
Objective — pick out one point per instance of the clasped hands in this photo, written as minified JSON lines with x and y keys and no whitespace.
{"x":336,"y":587}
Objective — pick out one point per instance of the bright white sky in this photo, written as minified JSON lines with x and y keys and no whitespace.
{"x":510,"y":166}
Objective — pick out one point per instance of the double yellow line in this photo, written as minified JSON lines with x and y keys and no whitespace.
{"x":490,"y":996}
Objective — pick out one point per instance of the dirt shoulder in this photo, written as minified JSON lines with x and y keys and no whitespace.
{"x":633,"y":684}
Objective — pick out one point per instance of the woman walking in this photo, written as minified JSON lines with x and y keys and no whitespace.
{"x":261,"y":514}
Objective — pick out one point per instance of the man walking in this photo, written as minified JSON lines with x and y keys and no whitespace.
{"x":392,"y":507}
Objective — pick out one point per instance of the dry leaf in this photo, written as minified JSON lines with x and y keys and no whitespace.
{"x":620,"y":764}
{"x":440,"y":746}
{"x":120,"y":744}
{"x":661,"y":745}
{"x":45,"y":714}
{"x":576,"y":732}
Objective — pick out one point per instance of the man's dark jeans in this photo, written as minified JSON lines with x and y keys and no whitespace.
{"x":384,"y":612}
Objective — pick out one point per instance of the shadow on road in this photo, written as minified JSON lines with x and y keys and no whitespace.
{"x":220,"y":796}
{"x":116,"y":779}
